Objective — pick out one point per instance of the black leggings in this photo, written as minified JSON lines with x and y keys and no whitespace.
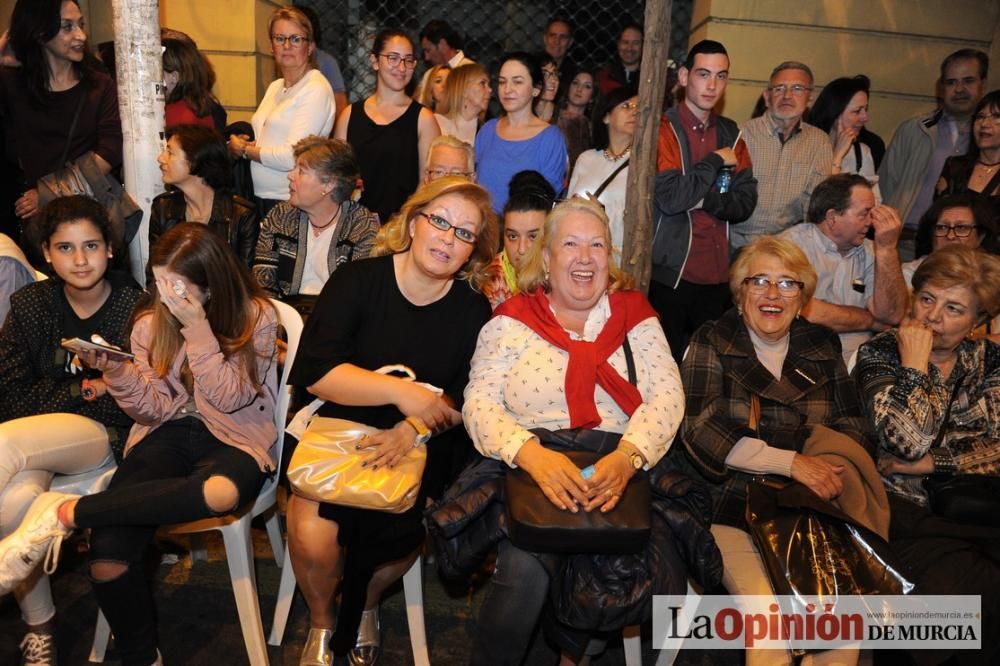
{"x":160,"y":482}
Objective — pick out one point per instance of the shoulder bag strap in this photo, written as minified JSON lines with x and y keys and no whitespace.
{"x":857,"y":157}
{"x":607,"y":181}
{"x":947,"y":413}
{"x":72,"y":126}
{"x":629,"y":361}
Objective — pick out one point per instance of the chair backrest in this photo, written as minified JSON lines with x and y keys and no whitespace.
{"x":292,"y":323}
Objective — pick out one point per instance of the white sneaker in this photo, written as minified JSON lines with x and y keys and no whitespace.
{"x":38,"y":537}
{"x":38,"y":649}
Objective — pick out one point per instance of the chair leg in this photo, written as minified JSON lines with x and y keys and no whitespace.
{"x":413,"y":594}
{"x":102,"y":634}
{"x":273,"y":526}
{"x":286,"y":593}
{"x":632,"y":643}
{"x":199,"y":551}
{"x":239,"y":554}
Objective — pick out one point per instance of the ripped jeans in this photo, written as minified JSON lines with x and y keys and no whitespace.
{"x":160,"y":482}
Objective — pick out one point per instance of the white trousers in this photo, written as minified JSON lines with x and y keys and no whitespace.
{"x":32,"y":450}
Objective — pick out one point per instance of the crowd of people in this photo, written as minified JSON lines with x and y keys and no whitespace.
{"x":811,"y":288}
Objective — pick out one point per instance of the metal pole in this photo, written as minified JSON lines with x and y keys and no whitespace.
{"x":139,"y":59}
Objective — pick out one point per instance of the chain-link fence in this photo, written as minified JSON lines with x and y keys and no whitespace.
{"x":489,"y":27}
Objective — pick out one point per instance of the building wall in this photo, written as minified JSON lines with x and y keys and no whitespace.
{"x":898,"y":44}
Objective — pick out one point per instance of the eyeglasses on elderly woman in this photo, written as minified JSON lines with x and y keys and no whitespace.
{"x":759,"y":284}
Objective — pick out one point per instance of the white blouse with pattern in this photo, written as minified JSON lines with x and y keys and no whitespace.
{"x":517,"y":382}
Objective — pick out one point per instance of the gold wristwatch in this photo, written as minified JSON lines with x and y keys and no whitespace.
{"x":423,"y":432}
{"x":634,"y":458}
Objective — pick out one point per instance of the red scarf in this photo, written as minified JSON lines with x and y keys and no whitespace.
{"x":588,"y":361}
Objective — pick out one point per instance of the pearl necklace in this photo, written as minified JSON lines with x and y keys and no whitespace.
{"x":614,"y":157}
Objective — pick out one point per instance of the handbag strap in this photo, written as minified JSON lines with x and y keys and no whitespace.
{"x":857,"y":157}
{"x":72,"y":125}
{"x":629,"y":361}
{"x":607,"y":181}
{"x":947,"y":413}
{"x":753,"y":421}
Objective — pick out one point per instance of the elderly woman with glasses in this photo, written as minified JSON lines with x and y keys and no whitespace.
{"x":954,"y":219}
{"x":390,"y":132}
{"x":761,"y":352}
{"x":298,"y":104}
{"x":419,"y":305}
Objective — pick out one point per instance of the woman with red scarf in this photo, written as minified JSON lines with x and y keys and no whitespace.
{"x":558,"y":356}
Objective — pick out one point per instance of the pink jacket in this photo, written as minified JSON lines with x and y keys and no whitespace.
{"x":229,"y":405}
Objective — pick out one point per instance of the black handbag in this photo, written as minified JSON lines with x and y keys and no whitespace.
{"x":537,"y":525}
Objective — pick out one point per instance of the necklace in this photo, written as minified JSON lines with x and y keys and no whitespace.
{"x":614,"y":157}
{"x":317,"y":230}
{"x":990,"y":167}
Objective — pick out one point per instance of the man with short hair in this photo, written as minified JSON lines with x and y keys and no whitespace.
{"x":623,"y":70}
{"x":860,"y":287}
{"x":442,"y":45}
{"x":913,"y":163}
{"x":697,"y":147}
{"x":558,"y":38}
{"x":449,"y":156}
{"x":790,"y":157}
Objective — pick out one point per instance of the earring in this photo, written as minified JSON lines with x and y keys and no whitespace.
{"x":739,"y":310}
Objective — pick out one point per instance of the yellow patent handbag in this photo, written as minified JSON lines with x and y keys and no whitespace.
{"x":327,"y":468}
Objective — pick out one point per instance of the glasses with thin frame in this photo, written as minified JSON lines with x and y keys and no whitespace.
{"x":441,"y":173}
{"x":442,"y":224}
{"x":994,"y":118}
{"x":798,"y":90}
{"x":960,"y":230}
{"x":294,"y":40}
{"x":394,"y":59}
{"x":760,"y":284}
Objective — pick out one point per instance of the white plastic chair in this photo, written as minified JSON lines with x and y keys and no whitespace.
{"x":413,"y":597}
{"x":235,"y":527}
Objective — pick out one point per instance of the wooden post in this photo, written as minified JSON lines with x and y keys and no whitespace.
{"x":638,"y":239}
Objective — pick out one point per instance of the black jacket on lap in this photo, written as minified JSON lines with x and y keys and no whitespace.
{"x":587,"y":591}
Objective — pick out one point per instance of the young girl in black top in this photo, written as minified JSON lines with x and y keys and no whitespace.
{"x":58,"y":417}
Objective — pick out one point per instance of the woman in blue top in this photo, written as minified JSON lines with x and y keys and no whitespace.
{"x":519,"y":139}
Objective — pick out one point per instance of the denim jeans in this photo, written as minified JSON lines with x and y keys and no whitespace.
{"x":160,"y":482}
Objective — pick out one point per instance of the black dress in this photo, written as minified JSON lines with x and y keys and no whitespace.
{"x":362,"y":318}
{"x":388,"y":156}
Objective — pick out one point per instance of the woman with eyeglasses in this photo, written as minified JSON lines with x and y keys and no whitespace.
{"x":953,"y":219}
{"x":390,"y":132}
{"x":519,"y":140}
{"x":603,"y":172}
{"x":978,"y":171}
{"x":417,"y":304}
{"x":762,"y":352}
{"x":297,"y":105}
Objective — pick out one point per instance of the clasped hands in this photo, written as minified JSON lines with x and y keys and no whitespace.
{"x":564,"y":486}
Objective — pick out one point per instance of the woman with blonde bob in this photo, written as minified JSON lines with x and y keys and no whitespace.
{"x":416,"y":304}
{"x":466,"y":98}
{"x":762,"y":352}
{"x":556,"y":356}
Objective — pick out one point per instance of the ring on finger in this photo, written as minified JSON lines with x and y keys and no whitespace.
{"x":609,"y":492}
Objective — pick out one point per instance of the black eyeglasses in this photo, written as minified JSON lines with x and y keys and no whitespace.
{"x":394,"y":59}
{"x":759,"y":284}
{"x":294,"y":40}
{"x":442,"y":224}
{"x":960,"y":230}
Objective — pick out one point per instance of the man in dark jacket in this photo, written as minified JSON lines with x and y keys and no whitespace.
{"x":704,"y":182}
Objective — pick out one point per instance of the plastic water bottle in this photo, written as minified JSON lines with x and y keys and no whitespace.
{"x":724,"y":179}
